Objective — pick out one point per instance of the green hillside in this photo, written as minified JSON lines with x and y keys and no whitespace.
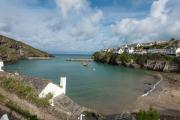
{"x":12,"y":50}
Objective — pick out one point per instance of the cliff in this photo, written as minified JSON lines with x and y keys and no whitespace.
{"x":12,"y":50}
{"x":156,"y":62}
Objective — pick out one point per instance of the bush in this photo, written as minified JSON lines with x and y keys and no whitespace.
{"x":126,"y":58}
{"x":140,"y":59}
{"x":151,"y":114}
{"x":24,"y":91}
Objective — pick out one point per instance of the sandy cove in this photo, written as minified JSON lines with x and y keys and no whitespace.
{"x":165,"y":97}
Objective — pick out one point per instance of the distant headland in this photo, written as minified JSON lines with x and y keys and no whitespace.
{"x":12,"y":50}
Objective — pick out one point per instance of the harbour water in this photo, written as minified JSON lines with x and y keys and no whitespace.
{"x":105,"y":88}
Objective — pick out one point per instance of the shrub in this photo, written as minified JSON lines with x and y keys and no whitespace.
{"x":126,"y":58}
{"x":151,"y":114}
{"x":140,"y":59}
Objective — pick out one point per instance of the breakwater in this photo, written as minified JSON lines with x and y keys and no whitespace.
{"x":39,"y":58}
{"x":79,"y":60}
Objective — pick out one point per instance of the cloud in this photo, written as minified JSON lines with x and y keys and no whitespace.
{"x":52,"y":30}
{"x":75,"y":26}
{"x":158,"y":8}
{"x":70,"y":5}
{"x":161,"y":23}
{"x":88,"y":26}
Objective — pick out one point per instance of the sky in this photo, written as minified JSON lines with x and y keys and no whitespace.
{"x":85,"y":26}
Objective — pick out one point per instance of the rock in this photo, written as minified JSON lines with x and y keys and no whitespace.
{"x":155,"y":62}
{"x":146,"y":89}
{"x":122,"y":116}
{"x":171,"y":67}
{"x":159,"y":65}
{"x":148,"y":83}
{"x":150,"y":64}
{"x":135,"y":65}
{"x":4,"y":117}
{"x":126,"y":64}
{"x":163,"y":66}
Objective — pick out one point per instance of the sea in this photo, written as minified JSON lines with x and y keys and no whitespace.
{"x":105,"y":88}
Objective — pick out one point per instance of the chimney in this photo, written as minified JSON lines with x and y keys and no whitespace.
{"x":1,"y":65}
{"x":63,"y":84}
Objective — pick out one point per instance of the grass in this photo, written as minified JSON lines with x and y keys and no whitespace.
{"x":24,"y":91}
{"x":2,"y":99}
{"x":151,"y":114}
{"x":10,"y":50}
{"x":13,"y":106}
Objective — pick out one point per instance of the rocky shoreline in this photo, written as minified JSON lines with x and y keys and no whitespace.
{"x":154,"y":62}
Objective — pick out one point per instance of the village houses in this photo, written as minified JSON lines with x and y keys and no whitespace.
{"x":138,"y":49}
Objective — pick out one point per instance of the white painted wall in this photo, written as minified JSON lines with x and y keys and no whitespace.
{"x":54,"y":89}
{"x":131,"y":50}
{"x":177,"y":50}
{"x":120,"y":51}
{"x":1,"y":65}
{"x":63,"y":84}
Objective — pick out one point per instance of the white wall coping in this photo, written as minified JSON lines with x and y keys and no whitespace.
{"x":54,"y":89}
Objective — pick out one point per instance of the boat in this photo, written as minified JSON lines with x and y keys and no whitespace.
{"x":85,"y":64}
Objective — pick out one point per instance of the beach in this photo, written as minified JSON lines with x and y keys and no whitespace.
{"x":165,"y":97}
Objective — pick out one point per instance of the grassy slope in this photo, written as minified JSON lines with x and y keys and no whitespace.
{"x":12,"y":50}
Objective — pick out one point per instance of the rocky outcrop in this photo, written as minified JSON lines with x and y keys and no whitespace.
{"x":164,"y":66}
{"x":122,"y":116}
{"x":149,"y":62}
{"x":11,"y":50}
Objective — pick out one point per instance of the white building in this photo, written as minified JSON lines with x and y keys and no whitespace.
{"x":178,"y":52}
{"x":120,"y":51}
{"x":54,"y":89}
{"x":129,"y":50}
{"x":107,"y":50}
{"x":140,"y":52}
{"x":155,"y":51}
{"x":169,"y":51}
{"x":139,"y":45}
{"x":1,"y":66}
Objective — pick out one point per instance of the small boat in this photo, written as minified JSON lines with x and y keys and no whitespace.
{"x":85,"y":64}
